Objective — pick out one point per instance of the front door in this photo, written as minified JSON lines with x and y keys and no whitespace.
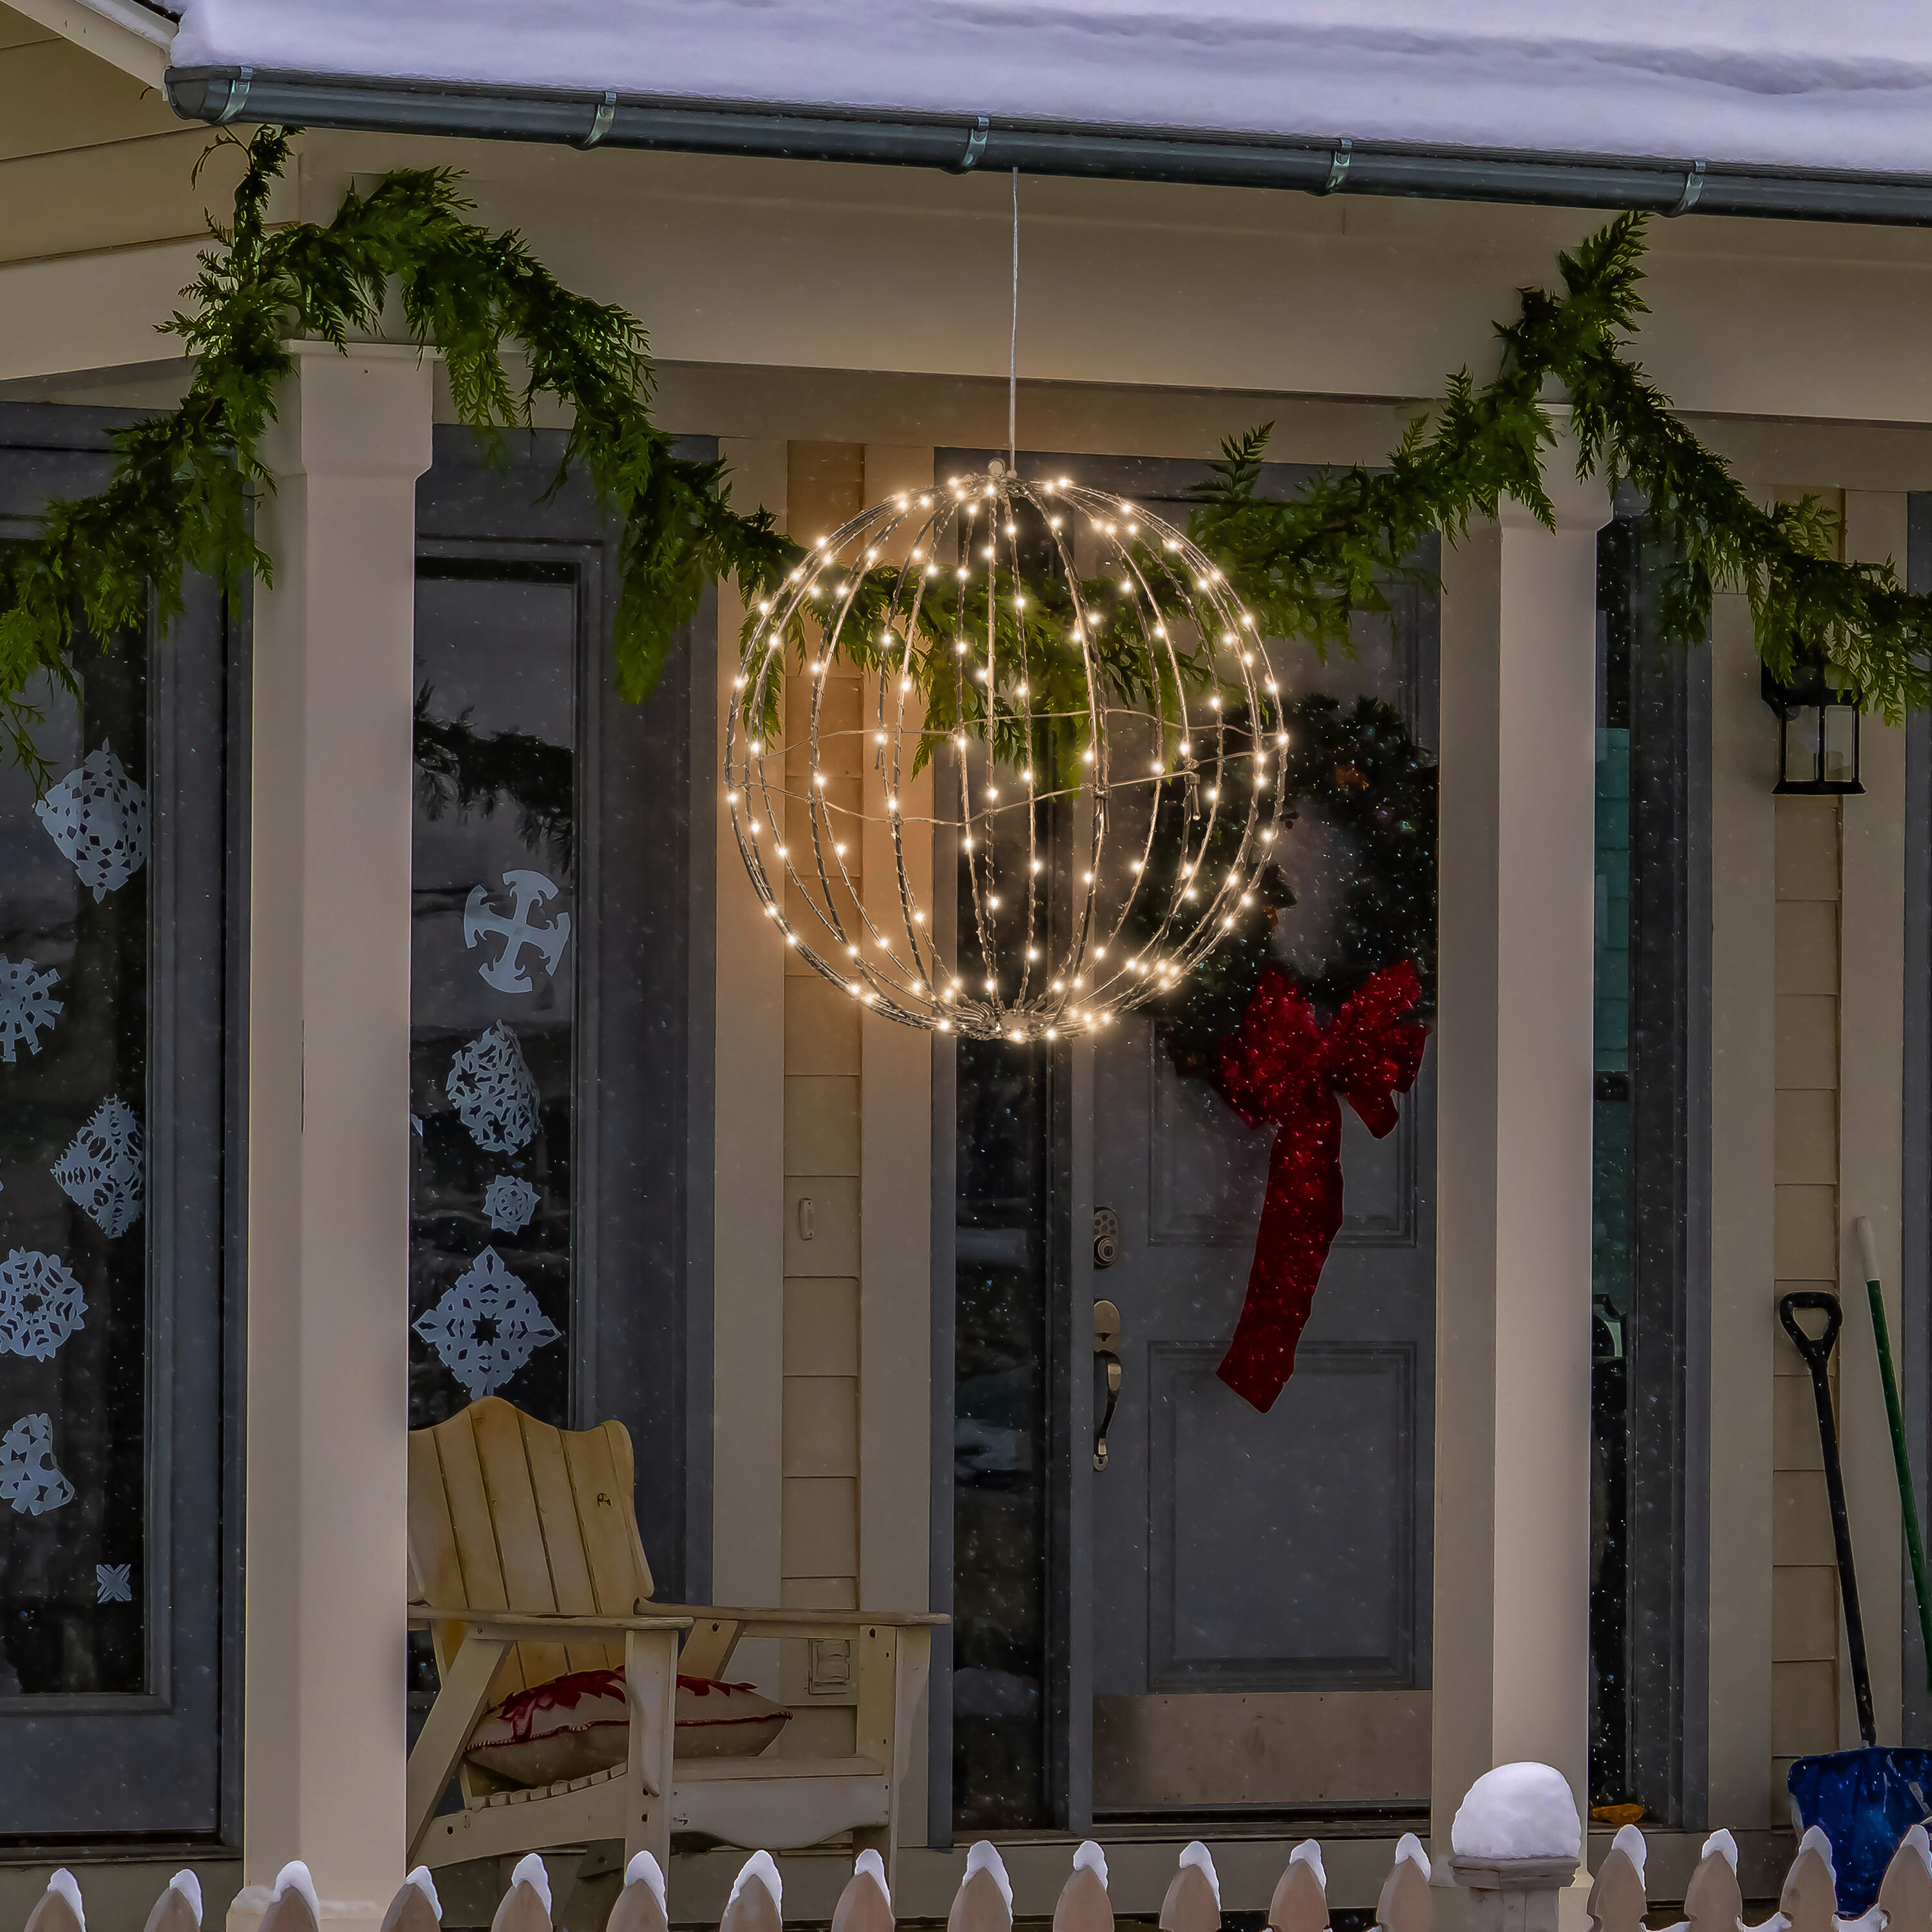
{"x":1261,"y":1582}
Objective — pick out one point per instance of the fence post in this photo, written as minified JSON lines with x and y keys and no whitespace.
{"x":58,"y":1909}
{"x":179,"y":1908}
{"x":1406,"y":1903}
{"x":1810,"y":1900}
{"x":865,"y":1905}
{"x":1084,"y":1905}
{"x":641,"y":1905}
{"x":293,"y":1904}
{"x":415,"y":1907}
{"x":1713,"y":1900}
{"x":1193,"y":1900}
{"x":1301,"y":1900}
{"x":1617,"y":1902}
{"x":526,"y":1906}
{"x":1905,"y":1892}
{"x":757,"y":1900}
{"x":984,"y":1900}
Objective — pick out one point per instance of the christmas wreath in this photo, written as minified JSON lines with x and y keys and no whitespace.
{"x":1285,"y":1046}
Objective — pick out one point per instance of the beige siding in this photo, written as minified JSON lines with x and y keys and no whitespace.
{"x":822,"y":1105}
{"x":1804,"y":1596}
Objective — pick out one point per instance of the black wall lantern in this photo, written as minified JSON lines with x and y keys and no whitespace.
{"x":1817,"y":732}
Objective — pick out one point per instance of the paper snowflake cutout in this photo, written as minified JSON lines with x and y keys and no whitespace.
{"x":104,"y":1172}
{"x":41,"y":1304}
{"x":98,"y":815}
{"x":495,"y":1096}
{"x":28,"y":1479}
{"x":113,"y":1583}
{"x":487,"y":1326}
{"x":27,"y":1004}
{"x":509,"y":1202}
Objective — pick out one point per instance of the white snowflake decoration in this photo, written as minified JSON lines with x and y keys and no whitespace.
{"x":113,"y":1583}
{"x":509,"y":1203}
{"x":28,"y":1478}
{"x":487,"y":1326}
{"x":494,"y":1093}
{"x":27,"y":1004}
{"x":103,"y":1172}
{"x":98,"y":815}
{"x":41,"y":1304}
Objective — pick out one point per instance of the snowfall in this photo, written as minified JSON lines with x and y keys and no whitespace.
{"x":1771,"y":83}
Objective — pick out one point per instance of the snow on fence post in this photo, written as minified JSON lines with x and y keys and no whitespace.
{"x":1407,"y":1904}
{"x":1810,"y":1900}
{"x":1516,"y":1842}
{"x":1193,"y":1900}
{"x":415,"y":1907}
{"x":179,"y":1908}
{"x":757,"y":1904}
{"x":58,"y":1909}
{"x":865,"y":1905}
{"x":641,"y":1906}
{"x":1713,"y":1900}
{"x":984,"y":1900}
{"x":1084,"y":1905}
{"x":1905,"y":1892}
{"x":1301,"y":1900}
{"x":1617,"y":1902}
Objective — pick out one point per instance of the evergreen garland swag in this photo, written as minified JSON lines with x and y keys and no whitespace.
{"x":178,"y":500}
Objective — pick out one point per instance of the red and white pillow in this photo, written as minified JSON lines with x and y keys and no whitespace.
{"x":580,"y":1722}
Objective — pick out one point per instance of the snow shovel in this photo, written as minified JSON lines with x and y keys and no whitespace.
{"x":1817,"y":1354}
{"x":1864,"y":1801}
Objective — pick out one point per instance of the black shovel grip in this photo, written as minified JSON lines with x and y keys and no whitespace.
{"x":1816,"y":1351}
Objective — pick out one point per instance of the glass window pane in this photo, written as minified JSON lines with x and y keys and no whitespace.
{"x":493,"y":969}
{"x":74,"y":961}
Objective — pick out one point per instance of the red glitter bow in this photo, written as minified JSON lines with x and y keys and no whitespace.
{"x":1284,"y":1066}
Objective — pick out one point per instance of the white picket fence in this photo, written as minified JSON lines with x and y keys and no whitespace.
{"x":1520,"y":1894}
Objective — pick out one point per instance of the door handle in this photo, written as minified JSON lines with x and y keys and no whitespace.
{"x":1107,"y":1349}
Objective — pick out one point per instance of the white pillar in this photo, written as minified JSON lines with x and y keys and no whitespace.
{"x":328,"y":1066}
{"x":1518,"y":832}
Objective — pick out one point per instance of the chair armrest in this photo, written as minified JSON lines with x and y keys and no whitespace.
{"x":535,"y":1627}
{"x":799,"y":1623}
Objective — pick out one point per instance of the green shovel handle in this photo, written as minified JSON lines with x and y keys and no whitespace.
{"x":1908,"y":1506}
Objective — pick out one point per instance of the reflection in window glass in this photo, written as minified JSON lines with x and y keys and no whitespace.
{"x":493,"y":969}
{"x":74,"y":957}
{"x":1000,"y":1611}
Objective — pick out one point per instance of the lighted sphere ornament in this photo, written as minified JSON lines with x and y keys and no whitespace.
{"x":1054,"y":684}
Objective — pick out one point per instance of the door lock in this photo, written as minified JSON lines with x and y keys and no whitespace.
{"x":1106,"y":1238}
{"x":1107,"y":1349}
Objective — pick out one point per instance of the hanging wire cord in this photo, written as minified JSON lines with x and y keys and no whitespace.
{"x":1013,"y":343}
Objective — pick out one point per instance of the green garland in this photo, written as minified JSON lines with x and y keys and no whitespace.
{"x":179,"y":498}
{"x":1377,"y":786}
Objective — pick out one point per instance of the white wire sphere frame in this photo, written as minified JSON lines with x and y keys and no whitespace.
{"x":1061,"y":924}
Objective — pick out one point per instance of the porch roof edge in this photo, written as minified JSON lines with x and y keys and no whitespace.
{"x":959,"y":144}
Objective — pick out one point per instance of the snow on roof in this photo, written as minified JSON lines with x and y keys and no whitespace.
{"x":1766,"y":83}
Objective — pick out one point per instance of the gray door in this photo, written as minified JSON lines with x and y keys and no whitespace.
{"x":1260,"y":1583}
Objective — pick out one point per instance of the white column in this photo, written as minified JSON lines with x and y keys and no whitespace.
{"x":328,"y":1064}
{"x":1518,"y":832}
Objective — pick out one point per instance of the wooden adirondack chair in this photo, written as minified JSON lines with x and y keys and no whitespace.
{"x":525,"y":1562}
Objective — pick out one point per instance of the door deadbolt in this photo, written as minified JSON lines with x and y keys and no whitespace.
{"x":1106,"y":1238}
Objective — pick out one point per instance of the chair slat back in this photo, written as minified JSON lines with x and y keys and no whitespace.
{"x":509,"y":1513}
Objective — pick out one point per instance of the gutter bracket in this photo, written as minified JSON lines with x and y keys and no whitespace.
{"x":238,"y":97}
{"x":1693,"y":186}
{"x":600,"y":121}
{"x":976,"y":145}
{"x":1338,"y":166}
